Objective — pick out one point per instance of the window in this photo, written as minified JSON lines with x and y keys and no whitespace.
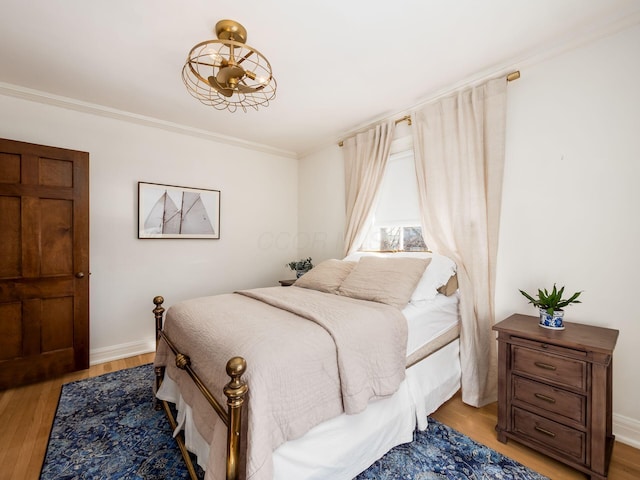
{"x":408,"y":239}
{"x":396,"y":220}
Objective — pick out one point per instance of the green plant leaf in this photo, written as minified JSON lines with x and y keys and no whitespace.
{"x":552,"y":300}
{"x":528,"y":297}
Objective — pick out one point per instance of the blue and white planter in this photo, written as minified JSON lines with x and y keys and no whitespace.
{"x":553,"y":322}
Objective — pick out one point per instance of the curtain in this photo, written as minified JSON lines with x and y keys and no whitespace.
{"x":459,"y":153}
{"x":365,"y":159}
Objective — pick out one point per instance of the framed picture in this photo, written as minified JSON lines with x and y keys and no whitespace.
{"x":168,"y":211}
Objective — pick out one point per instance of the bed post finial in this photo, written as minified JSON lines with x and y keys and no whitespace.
{"x":158,"y":312}
{"x":236,"y":367}
{"x":235,"y":391}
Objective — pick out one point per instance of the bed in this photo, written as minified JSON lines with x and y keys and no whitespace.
{"x":319,"y":397}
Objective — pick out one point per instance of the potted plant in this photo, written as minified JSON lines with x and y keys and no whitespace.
{"x":551,"y":306}
{"x":301,"y":266}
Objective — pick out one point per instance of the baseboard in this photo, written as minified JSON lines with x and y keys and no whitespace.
{"x":626,"y":430}
{"x":124,"y":350}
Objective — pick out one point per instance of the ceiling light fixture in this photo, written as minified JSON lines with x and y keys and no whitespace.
{"x":227,"y":73}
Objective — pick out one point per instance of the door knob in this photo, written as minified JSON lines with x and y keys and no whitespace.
{"x":80,"y":275}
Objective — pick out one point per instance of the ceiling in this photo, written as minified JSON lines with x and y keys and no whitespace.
{"x":339,"y":64}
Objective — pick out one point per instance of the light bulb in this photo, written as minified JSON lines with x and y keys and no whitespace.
{"x":213,"y":54}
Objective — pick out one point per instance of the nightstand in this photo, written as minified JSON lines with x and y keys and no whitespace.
{"x":287,"y":283}
{"x":555,"y":391}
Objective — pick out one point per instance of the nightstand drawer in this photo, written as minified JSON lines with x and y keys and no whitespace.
{"x":550,"y":435}
{"x":551,"y":399}
{"x":547,"y":366}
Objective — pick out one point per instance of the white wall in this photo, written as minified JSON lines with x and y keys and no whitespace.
{"x":569,"y":201}
{"x":571,"y":193}
{"x":321,"y":220}
{"x":258,"y":207}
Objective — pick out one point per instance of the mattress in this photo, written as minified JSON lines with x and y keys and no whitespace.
{"x":346,"y":445}
{"x":429,"y":320}
{"x":431,"y":325}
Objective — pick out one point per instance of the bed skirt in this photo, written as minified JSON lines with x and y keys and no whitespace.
{"x":346,"y":445}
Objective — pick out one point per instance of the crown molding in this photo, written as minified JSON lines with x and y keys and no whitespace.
{"x":38,"y":96}
{"x":547,"y":51}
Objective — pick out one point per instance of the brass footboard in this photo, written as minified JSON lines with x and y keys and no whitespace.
{"x":235,"y":391}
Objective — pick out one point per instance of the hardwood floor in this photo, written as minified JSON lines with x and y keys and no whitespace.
{"x":479,"y":424}
{"x":27,"y":414}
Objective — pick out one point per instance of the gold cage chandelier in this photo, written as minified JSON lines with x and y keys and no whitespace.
{"x":227,"y":73}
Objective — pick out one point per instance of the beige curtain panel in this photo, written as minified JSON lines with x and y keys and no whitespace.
{"x":365,"y":159}
{"x":459,"y":152}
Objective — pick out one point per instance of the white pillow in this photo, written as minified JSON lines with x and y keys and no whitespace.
{"x":436,"y":275}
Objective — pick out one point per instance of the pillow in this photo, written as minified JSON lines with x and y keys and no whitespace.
{"x":451,"y":287}
{"x":384,"y":279}
{"x":326,"y":276}
{"x":437,"y":275}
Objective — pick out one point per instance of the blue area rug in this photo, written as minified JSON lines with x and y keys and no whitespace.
{"x":439,"y":453}
{"x":106,"y":428}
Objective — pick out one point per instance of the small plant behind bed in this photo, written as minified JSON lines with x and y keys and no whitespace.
{"x":301,"y":266}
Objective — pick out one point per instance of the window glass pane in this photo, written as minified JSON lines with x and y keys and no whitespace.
{"x":412,"y":239}
{"x":390,"y":238}
{"x":395,"y":239}
{"x":396,"y":221}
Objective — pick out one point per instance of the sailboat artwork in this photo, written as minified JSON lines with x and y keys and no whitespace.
{"x":178,"y":212}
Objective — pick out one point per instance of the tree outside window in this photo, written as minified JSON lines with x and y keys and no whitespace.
{"x":384,"y":239}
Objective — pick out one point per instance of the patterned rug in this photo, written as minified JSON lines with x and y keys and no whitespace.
{"x":106,"y":428}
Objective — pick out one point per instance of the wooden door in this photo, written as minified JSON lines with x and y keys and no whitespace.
{"x":44,"y":262}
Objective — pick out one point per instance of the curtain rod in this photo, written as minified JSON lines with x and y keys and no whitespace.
{"x":406,"y":118}
{"x":510,"y":78}
{"x":513,"y":76}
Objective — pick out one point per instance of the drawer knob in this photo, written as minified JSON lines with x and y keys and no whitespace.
{"x":545,"y":431}
{"x":545,"y":397}
{"x":546,"y":366}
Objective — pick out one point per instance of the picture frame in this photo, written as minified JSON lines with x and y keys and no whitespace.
{"x":170,"y":211}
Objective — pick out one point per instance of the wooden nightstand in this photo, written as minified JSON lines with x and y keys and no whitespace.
{"x":555,"y":389}
{"x":287,"y":283}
